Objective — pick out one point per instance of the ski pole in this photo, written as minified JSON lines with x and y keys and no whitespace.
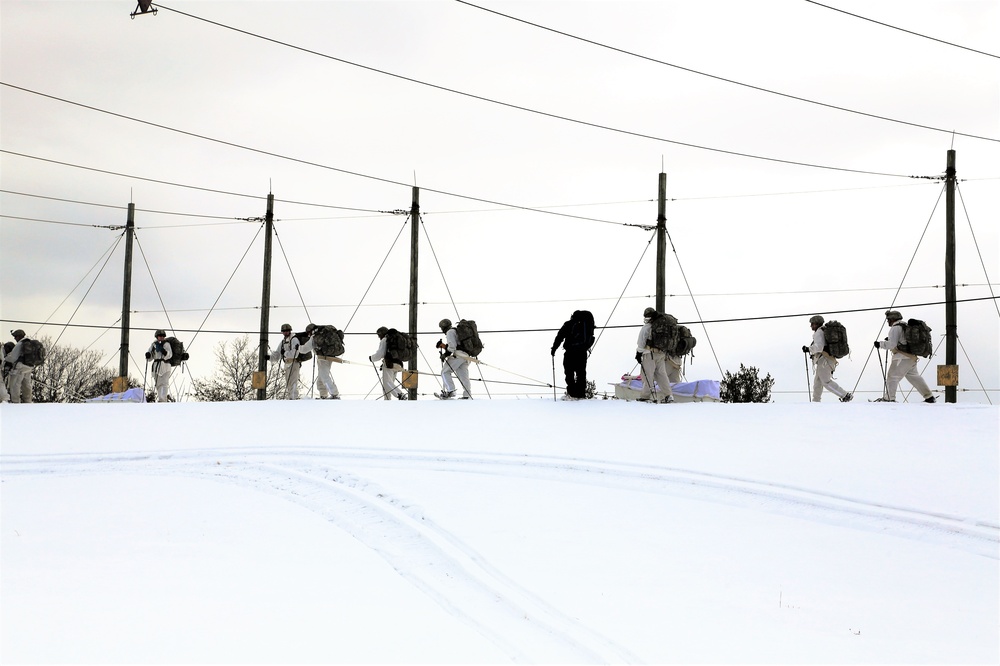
{"x":805,"y":357}
{"x":553,"y":378}
{"x":145,"y":370}
{"x":379,"y":378}
{"x":885,"y":376}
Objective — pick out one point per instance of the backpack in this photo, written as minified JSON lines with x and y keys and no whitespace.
{"x":303,"y":356}
{"x":398,"y":346}
{"x":581,"y":331}
{"x":177,"y":353}
{"x":835,"y":336}
{"x":664,"y":333}
{"x":917,"y":336}
{"x":328,"y":341}
{"x":685,"y":341}
{"x":32,"y":352}
{"x":468,"y":337}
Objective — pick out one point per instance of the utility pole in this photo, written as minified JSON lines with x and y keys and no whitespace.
{"x":120,"y":384}
{"x":661,"y":247}
{"x":411,"y":363}
{"x":951,"y":305}
{"x":260,"y":380}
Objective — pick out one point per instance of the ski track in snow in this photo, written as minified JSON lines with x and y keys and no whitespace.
{"x":454,"y":575}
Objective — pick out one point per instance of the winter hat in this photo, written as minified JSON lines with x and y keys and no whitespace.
{"x":444,"y":324}
{"x":893,"y":315}
{"x":649,"y":312}
{"x":817,"y":319}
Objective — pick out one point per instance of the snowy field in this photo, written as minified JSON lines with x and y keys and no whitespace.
{"x":499,"y":531}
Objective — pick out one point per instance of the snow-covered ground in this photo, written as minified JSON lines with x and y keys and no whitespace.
{"x":498,"y":531}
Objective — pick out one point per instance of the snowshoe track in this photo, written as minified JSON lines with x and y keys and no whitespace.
{"x":331,"y":483}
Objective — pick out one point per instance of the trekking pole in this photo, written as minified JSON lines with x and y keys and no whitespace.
{"x":885,"y":376}
{"x":379,"y":378}
{"x":554,"y":378}
{"x":469,"y":387}
{"x":805,"y":357}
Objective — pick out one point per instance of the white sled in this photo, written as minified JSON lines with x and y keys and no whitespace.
{"x":131,"y":395}
{"x":702,"y":390}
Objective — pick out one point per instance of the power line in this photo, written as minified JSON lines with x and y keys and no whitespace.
{"x":910,"y":32}
{"x":375,"y":213}
{"x":731,"y":320}
{"x":723,"y":79}
{"x":326,"y":166}
{"x":141,"y":210}
{"x":183,"y":185}
{"x":595,"y":299}
{"x":530,"y":110}
{"x":112,"y":227}
{"x":503,"y":208}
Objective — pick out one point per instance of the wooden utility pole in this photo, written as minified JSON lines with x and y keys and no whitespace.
{"x":661,"y":247}
{"x":951,"y":305}
{"x":120,"y":384}
{"x":265,"y":303}
{"x":411,"y":363}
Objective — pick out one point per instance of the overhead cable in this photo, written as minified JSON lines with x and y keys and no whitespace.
{"x":112,"y":227}
{"x":731,"y":320}
{"x":894,"y":27}
{"x":547,"y":114}
{"x":327,"y":306}
{"x":503,"y":208}
{"x":337,"y":169}
{"x":725,"y":80}
{"x":119,"y":207}
{"x":183,"y":185}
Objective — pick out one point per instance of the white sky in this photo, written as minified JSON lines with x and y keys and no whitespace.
{"x":823,"y":240}
{"x":559,"y":533}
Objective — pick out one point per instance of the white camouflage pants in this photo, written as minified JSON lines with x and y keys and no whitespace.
{"x":161,"y":379}
{"x":460,"y":368}
{"x":654,"y":372}
{"x":292,"y":380}
{"x":823,"y":378}
{"x":674,"y":364}
{"x":4,"y":396}
{"x":21,"y":383}
{"x":902,"y":366}
{"x":390,"y":383}
{"x":324,"y":380}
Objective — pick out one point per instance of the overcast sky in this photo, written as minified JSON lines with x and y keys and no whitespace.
{"x":777,"y":206}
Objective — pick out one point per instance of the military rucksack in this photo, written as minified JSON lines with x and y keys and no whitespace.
{"x":302,"y":338}
{"x":328,"y":341}
{"x":835,"y":337}
{"x":398,"y":346}
{"x":685,"y":341}
{"x":581,"y":331}
{"x":32,"y":352}
{"x":917,"y":336}
{"x":177,"y":353}
{"x":663,"y":334}
{"x":468,"y":337}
